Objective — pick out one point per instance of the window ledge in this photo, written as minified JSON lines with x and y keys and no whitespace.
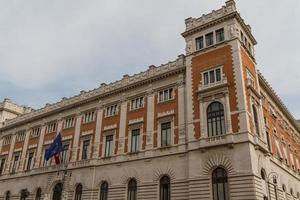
{"x":206,"y":88}
{"x":166,"y":101}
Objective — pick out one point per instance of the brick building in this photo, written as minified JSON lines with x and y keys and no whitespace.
{"x":204,"y":126}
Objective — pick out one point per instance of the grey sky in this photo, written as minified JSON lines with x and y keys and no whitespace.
{"x":52,"y":49}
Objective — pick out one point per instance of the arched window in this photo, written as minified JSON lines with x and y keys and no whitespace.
{"x":38,"y":195}
{"x":255,"y":119}
{"x":264,"y":184}
{"x":165,"y":193}
{"x":104,"y":191}
{"x":7,"y":195}
{"x":24,"y":194}
{"x":132,"y":189}
{"x":292,"y":192}
{"x":220,"y":184}
{"x":78,"y":192}
{"x":57,"y":191}
{"x":215,"y":119}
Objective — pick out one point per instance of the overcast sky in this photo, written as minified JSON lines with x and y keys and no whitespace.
{"x":52,"y":49}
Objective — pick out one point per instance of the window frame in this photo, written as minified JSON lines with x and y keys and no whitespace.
{"x":209,"y":39}
{"x":216,"y":181}
{"x":78,"y":192}
{"x":166,"y":133}
{"x":216,"y":119}
{"x":220,"y":35}
{"x":199,"y":43}
{"x":132,"y":189}
{"x":137,"y":103}
{"x":89,"y":117}
{"x":111,"y":110}
{"x":104,"y":191}
{"x":215,"y":73}
{"x":109,"y":153}
{"x":135,"y":134}
{"x":166,"y":95}
{"x":165,"y":188}
{"x":85,"y":153}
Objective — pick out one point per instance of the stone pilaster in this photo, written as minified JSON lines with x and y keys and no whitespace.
{"x":40,"y":146}
{"x":122,"y":128}
{"x":98,"y":133}
{"x":181,"y":110}
{"x":150,"y":119}
{"x":76,"y":138}
{"x":10,"y":153}
{"x":24,"y":151}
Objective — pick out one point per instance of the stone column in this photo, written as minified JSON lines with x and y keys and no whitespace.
{"x":122,"y":128}
{"x":40,"y":146}
{"x":98,"y":132}
{"x":10,"y":154}
{"x":24,"y":151}
{"x":150,"y":119}
{"x":76,"y":138}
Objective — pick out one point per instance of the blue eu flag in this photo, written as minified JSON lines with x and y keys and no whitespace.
{"x":55,"y":148}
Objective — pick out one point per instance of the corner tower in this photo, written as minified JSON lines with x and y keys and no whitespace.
{"x":224,"y":113}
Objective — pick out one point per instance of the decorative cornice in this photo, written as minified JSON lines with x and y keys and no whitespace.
{"x":128,"y":82}
{"x":271,"y":92}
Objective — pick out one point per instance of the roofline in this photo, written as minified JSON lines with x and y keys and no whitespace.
{"x":271,"y":92}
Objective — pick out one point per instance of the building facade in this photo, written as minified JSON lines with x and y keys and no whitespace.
{"x":205,"y":126}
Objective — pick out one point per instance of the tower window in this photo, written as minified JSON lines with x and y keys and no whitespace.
{"x":215,"y":119}
{"x":220,"y":35}
{"x":212,"y":76}
{"x":209,"y":38}
{"x":199,"y":43}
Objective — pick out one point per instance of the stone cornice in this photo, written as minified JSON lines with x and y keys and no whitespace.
{"x":128,"y":82}
{"x":271,"y":92}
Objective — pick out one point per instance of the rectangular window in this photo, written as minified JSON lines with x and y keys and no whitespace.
{"x":220,"y":35}
{"x":2,"y":164}
{"x":51,"y":127}
{"x":29,"y":161}
{"x":111,"y":110}
{"x":199,"y":43}
{"x":209,"y":39}
{"x":137,"y":103}
{"x":166,"y":95}
{"x":15,"y":164}
{"x":109,"y":145}
{"x":166,"y":134}
{"x":20,"y":136}
{"x":89,"y":117}
{"x":65,"y":153}
{"x":69,"y":123}
{"x":135,"y":140}
{"x":268,"y":141}
{"x":212,"y":76}
{"x":85,"y":149}
{"x":7,"y":140}
{"x":35,"y":132}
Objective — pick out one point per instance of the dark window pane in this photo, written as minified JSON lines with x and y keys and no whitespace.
{"x":218,"y":75}
{"x":215,"y":119}
{"x":220,"y":35}
{"x":199,"y":43}
{"x":209,"y":39}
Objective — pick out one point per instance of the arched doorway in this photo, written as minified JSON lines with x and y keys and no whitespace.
{"x":57,"y":191}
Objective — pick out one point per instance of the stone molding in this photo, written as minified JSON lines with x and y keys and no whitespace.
{"x":146,"y":77}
